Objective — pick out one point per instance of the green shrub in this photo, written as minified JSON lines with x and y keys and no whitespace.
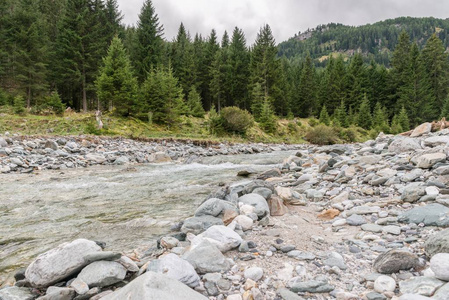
{"x":348,"y":135}
{"x":3,"y":98}
{"x":236,"y":120}
{"x":322,"y":135}
{"x":53,"y":102}
{"x":313,"y":122}
{"x":214,"y":122}
{"x":19,"y":105}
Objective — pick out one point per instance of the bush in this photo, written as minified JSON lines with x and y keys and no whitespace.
{"x":3,"y":98}
{"x":54,"y":103}
{"x":322,"y":135}
{"x":313,"y":122}
{"x":235,"y":119}
{"x":348,"y":135}
{"x":19,"y":105}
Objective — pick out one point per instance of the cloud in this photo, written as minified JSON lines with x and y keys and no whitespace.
{"x":286,"y":17}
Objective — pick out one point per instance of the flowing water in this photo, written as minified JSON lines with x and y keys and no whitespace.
{"x":125,"y":206}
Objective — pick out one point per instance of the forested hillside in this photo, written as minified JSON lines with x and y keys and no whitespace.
{"x":77,"y":53}
{"x":375,"y":41}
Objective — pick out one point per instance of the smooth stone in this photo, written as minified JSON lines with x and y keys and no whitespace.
{"x":372,"y":228}
{"x":196,"y":225}
{"x":258,"y":202}
{"x":287,"y":295}
{"x":363,"y":210}
{"x":79,"y":286}
{"x":438,"y":243}
{"x":254,"y":273}
{"x":301,"y":255}
{"x":221,"y":236}
{"x":334,"y":259}
{"x":432,"y":191}
{"x":356,"y":220}
{"x":58,"y":293}
{"x":60,"y":262}
{"x":104,"y":255}
{"x":384,"y":284}
{"x":375,"y":296}
{"x":177,"y":268}
{"x":244,"y":221}
{"x":395,"y":260}
{"x":312,"y":286}
{"x":391,"y":229}
{"x":430,"y":215}
{"x":153,"y":286}
{"x":442,"y":293}
{"x":16,"y":293}
{"x":102,"y":273}
{"x":207,"y":258}
{"x":439,"y":264}
{"x":413,"y":297}
{"x":425,"y":286}
{"x":214,"y":207}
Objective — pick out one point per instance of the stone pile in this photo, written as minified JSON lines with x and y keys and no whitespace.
{"x":359,"y":221}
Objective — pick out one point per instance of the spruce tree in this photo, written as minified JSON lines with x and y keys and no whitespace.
{"x":257,"y":99}
{"x":324,"y":116}
{"x":364,"y":118}
{"x":194,"y":103}
{"x":341,"y":116}
{"x":403,"y":119}
{"x":206,"y":75}
{"x":183,"y":60}
{"x":380,"y":119}
{"x":148,"y":43}
{"x":356,"y":81}
{"x":267,"y":118}
{"x":307,"y":90}
{"x":239,"y":59}
{"x":396,"y":126}
{"x":116,"y":85}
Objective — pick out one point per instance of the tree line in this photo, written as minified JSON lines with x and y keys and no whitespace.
{"x":79,"y":51}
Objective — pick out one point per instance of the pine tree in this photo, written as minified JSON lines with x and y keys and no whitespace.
{"x":149,"y":43}
{"x":163,"y":97}
{"x":324,"y":116}
{"x":307,"y":99}
{"x":380,"y":119}
{"x":194,"y":103}
{"x":356,"y":81}
{"x":116,"y":85}
{"x":239,"y":69}
{"x":341,"y":116}
{"x":396,"y":125}
{"x":257,"y":99}
{"x":403,"y":119}
{"x":206,"y":74}
{"x":183,"y":61}
{"x":436,"y":64}
{"x":364,"y":118}
{"x":267,"y":118}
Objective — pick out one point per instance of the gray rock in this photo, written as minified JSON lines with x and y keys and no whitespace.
{"x":375,"y":296}
{"x":214,"y":207}
{"x":79,"y":286}
{"x":51,"y":145}
{"x":261,"y":206}
{"x":264,"y":192}
{"x":270,"y":173}
{"x":177,"y":268}
{"x":356,"y":220}
{"x":438,"y":243}
{"x":372,"y":228}
{"x":288,"y":295}
{"x":16,"y":293}
{"x":442,"y":293}
{"x":3,"y":143}
{"x":436,"y":140}
{"x":395,"y":260}
{"x":153,"y":286}
{"x":440,"y":266}
{"x":422,"y":129}
{"x":102,"y":273}
{"x":122,"y":160}
{"x":391,"y":229}
{"x":413,"y":192}
{"x":413,"y":297}
{"x":221,"y":236}
{"x":301,"y":255}
{"x":207,"y":258}
{"x":60,"y":262}
{"x":58,"y":293}
{"x":412,"y":175}
{"x":430,"y":215}
{"x":196,"y":225}
{"x":104,"y":255}
{"x":403,"y":144}
{"x":427,"y":161}
{"x":312,"y":286}
{"x":425,"y":286}
{"x":334,"y":259}
{"x":254,"y":273}
{"x":363,"y":210}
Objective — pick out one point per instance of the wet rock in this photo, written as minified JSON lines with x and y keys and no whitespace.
{"x":16,"y":293}
{"x":153,"y":286}
{"x":440,"y":266}
{"x":425,"y":286}
{"x":102,"y":273}
{"x":60,"y":262}
{"x":438,"y":243}
{"x":430,"y":215}
{"x":207,"y":258}
{"x":221,"y":236}
{"x":177,"y":268}
{"x":395,"y":260}
{"x":258,"y":202}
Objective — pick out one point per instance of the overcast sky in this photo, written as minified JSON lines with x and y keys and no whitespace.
{"x":286,"y":17}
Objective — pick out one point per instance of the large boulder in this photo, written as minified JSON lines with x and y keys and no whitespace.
{"x":221,"y":236}
{"x":60,"y":262}
{"x":440,"y":266}
{"x":427,"y":161}
{"x":207,"y":258}
{"x":436,"y":140}
{"x":438,"y":243}
{"x":196,"y":225}
{"x":422,"y":129}
{"x":425,"y":286}
{"x":259,"y":203}
{"x":177,"y":268}
{"x":413,"y":192}
{"x":102,"y":273}
{"x":214,"y":207}
{"x":403,"y":144}
{"x":154,"y":286}
{"x":395,"y":260}
{"x":430,"y":215}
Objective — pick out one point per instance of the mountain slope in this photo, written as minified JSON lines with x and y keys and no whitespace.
{"x":373,"y":40}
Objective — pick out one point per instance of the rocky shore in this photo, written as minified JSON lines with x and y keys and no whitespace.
{"x":27,"y":154}
{"x":359,"y":221}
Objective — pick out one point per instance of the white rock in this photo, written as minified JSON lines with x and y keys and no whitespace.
{"x":223,"y":237}
{"x":176,"y":268}
{"x":254,"y":273}
{"x":286,"y":273}
{"x":234,"y":297}
{"x":384,"y":283}
{"x":432,"y":191}
{"x":244,"y":221}
{"x":60,"y":262}
{"x":340,"y":222}
{"x":439,"y":264}
{"x":246,"y":209}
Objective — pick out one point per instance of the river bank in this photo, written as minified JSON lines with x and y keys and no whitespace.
{"x":360,"y":221}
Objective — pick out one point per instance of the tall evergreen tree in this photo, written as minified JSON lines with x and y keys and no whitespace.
{"x":194,"y":104}
{"x":116,"y":85}
{"x":183,"y":60}
{"x":307,"y":92}
{"x":364,"y":118}
{"x":257,"y":99}
{"x":149,"y":43}
{"x":356,"y":81}
{"x":211,"y":49}
{"x":239,"y":69}
{"x":340,"y":115}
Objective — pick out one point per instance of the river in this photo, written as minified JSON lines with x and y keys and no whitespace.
{"x":125,"y":206}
